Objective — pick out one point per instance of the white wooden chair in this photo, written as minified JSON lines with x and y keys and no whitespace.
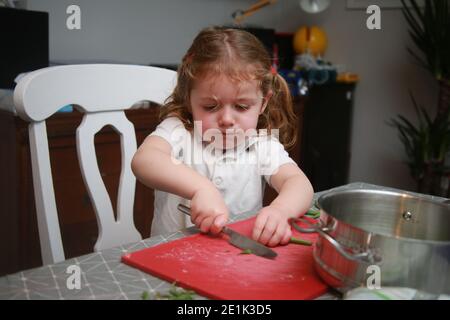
{"x":103,"y":91}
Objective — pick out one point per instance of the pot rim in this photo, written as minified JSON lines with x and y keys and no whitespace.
{"x":391,"y":193}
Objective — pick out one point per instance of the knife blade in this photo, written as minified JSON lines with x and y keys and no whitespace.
{"x":239,"y":240}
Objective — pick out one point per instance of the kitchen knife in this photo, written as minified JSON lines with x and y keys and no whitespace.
{"x":239,"y":240}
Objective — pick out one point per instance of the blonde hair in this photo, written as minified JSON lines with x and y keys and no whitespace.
{"x":240,"y":56}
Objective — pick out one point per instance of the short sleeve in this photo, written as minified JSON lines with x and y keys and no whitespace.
{"x":271,"y":156}
{"x":173,"y":131}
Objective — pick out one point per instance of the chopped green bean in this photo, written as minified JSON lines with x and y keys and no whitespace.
{"x":175,"y":293}
{"x":145,"y":295}
{"x":313,"y":213}
{"x":300,"y":241}
{"x":246,"y":251}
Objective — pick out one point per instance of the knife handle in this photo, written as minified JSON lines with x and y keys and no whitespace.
{"x":185,"y":209}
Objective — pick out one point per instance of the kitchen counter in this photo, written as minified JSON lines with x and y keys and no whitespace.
{"x":103,"y":276}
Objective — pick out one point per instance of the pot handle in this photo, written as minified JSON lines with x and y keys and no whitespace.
{"x":368,"y":256}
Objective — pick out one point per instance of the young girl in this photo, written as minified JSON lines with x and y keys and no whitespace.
{"x":210,"y":153}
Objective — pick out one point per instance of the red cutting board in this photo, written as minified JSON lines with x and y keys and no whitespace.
{"x":215,"y":269}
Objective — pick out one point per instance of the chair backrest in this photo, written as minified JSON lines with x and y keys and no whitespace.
{"x":103,"y":91}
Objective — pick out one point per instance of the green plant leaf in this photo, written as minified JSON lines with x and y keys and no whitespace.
{"x":430,"y":32}
{"x":427,"y":143}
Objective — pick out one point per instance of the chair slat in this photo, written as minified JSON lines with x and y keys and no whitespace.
{"x":44,"y":194}
{"x":109,"y":228}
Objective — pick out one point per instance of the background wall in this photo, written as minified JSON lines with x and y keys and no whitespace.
{"x":159,"y":31}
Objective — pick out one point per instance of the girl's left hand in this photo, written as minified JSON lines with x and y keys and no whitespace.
{"x":272,"y":226}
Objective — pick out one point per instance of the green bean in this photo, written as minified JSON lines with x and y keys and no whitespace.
{"x":300,"y":241}
{"x":246,"y":251}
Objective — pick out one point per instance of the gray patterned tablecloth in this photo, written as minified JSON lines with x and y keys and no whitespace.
{"x":103,"y":276}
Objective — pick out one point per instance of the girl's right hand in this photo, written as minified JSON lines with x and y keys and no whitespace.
{"x":208,"y":210}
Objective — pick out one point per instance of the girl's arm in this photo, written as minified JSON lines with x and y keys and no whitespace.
{"x":154,"y":166}
{"x":294,"y":198}
{"x":295,"y":192}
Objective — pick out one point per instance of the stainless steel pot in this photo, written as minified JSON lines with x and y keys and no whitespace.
{"x":406,"y":238}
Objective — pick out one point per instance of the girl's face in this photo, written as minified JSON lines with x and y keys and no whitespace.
{"x":226,"y":105}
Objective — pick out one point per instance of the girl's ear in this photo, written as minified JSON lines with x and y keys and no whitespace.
{"x":266,"y":101}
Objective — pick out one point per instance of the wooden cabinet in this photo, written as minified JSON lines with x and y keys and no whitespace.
{"x":19,"y":241}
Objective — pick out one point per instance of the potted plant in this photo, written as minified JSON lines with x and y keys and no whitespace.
{"x":428,"y":143}
{"x":430,"y":31}
{"x":426,"y":146}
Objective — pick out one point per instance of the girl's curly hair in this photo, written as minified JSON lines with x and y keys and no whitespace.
{"x":240,"y":56}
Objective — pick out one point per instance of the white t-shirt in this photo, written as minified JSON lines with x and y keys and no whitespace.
{"x":239,"y":174}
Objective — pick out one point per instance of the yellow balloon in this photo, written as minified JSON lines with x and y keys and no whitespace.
{"x":311,"y":40}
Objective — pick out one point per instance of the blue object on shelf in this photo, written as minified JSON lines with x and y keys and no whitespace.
{"x":68,"y":108}
{"x":300,"y":81}
{"x":294,"y":78}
